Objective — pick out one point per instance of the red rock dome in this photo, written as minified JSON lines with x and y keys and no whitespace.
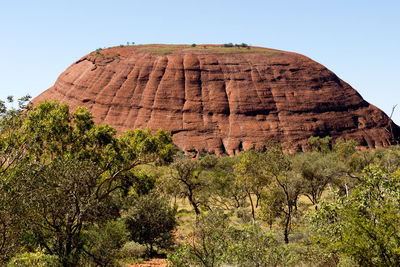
{"x":220,"y":98}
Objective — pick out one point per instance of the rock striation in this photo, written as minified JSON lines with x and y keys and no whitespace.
{"x":221,"y":99}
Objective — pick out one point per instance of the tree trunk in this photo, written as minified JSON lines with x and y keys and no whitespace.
{"x":253,"y":216}
{"x":195,"y":207}
{"x":287,"y":223}
{"x":193,"y":203}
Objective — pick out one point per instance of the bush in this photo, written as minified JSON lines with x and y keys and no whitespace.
{"x":253,"y":246}
{"x":150,"y":221}
{"x":207,"y":244}
{"x":193,"y":45}
{"x":133,"y":250}
{"x":216,"y":242}
{"x":105,"y":242}
{"x":38,"y":259}
{"x":365,"y":225}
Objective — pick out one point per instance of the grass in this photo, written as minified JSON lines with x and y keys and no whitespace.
{"x":162,"y":49}
{"x":232,"y":50}
{"x":185,"y":216}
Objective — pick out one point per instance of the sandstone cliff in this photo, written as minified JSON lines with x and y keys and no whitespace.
{"x":220,"y":99}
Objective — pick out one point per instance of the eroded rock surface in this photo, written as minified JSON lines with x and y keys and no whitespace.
{"x":221,"y":99}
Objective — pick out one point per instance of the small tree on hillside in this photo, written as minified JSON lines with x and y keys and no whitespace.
{"x":189,"y":180}
{"x":150,"y":221}
{"x":279,"y":167}
{"x":251,"y":176}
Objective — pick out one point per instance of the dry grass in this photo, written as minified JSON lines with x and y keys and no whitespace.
{"x":163,"y":49}
{"x":233,"y":50}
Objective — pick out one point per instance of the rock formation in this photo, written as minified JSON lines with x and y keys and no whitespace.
{"x":221,"y":99}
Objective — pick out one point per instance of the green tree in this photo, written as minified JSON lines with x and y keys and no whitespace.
{"x":226,"y":193}
{"x":59,"y":199}
{"x":13,"y":145}
{"x":272,"y":205}
{"x":349,"y":164}
{"x":215,"y":241}
{"x":104,"y":242}
{"x":206,"y":245}
{"x":320,"y":144}
{"x":66,"y":173}
{"x":279,"y":167}
{"x":316,"y":170}
{"x":251,"y":176}
{"x":189,"y":179}
{"x":388,"y":158}
{"x":365,"y":225}
{"x":150,"y":221}
{"x":253,"y":246}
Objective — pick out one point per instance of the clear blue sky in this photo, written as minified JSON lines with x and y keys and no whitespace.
{"x":358,"y":40}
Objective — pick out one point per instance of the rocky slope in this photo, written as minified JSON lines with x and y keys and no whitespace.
{"x":221,"y":99}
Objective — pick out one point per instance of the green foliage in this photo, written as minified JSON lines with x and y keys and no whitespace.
{"x":365,"y":225}
{"x":104,"y":242}
{"x":60,"y":173}
{"x":141,"y":182}
{"x":244,"y":45}
{"x":344,"y":149}
{"x":279,"y":166}
{"x":216,"y":242}
{"x":76,"y":192}
{"x":272,"y":205}
{"x":38,"y":259}
{"x":53,"y":132}
{"x":226,"y":192}
{"x":253,"y":246}
{"x":150,"y":221}
{"x":58,"y":200}
{"x":12,"y":156}
{"x":189,"y":179}
{"x":316,"y":170}
{"x":388,"y":158}
{"x":252,"y":176}
{"x":133,"y":250}
{"x":320,"y":144}
{"x":207,"y":244}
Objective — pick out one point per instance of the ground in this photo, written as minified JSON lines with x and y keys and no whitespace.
{"x":150,"y":263}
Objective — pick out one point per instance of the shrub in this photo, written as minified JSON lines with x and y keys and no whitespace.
{"x":193,"y":45}
{"x":216,"y":242}
{"x":363,"y":226}
{"x":133,"y":250}
{"x":38,"y":259}
{"x":105,"y":242}
{"x":150,"y":221}
{"x":207,"y":244}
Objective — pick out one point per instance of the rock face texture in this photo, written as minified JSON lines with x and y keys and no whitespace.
{"x":221,"y":99}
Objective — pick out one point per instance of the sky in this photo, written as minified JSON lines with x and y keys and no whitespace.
{"x":358,"y":40}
